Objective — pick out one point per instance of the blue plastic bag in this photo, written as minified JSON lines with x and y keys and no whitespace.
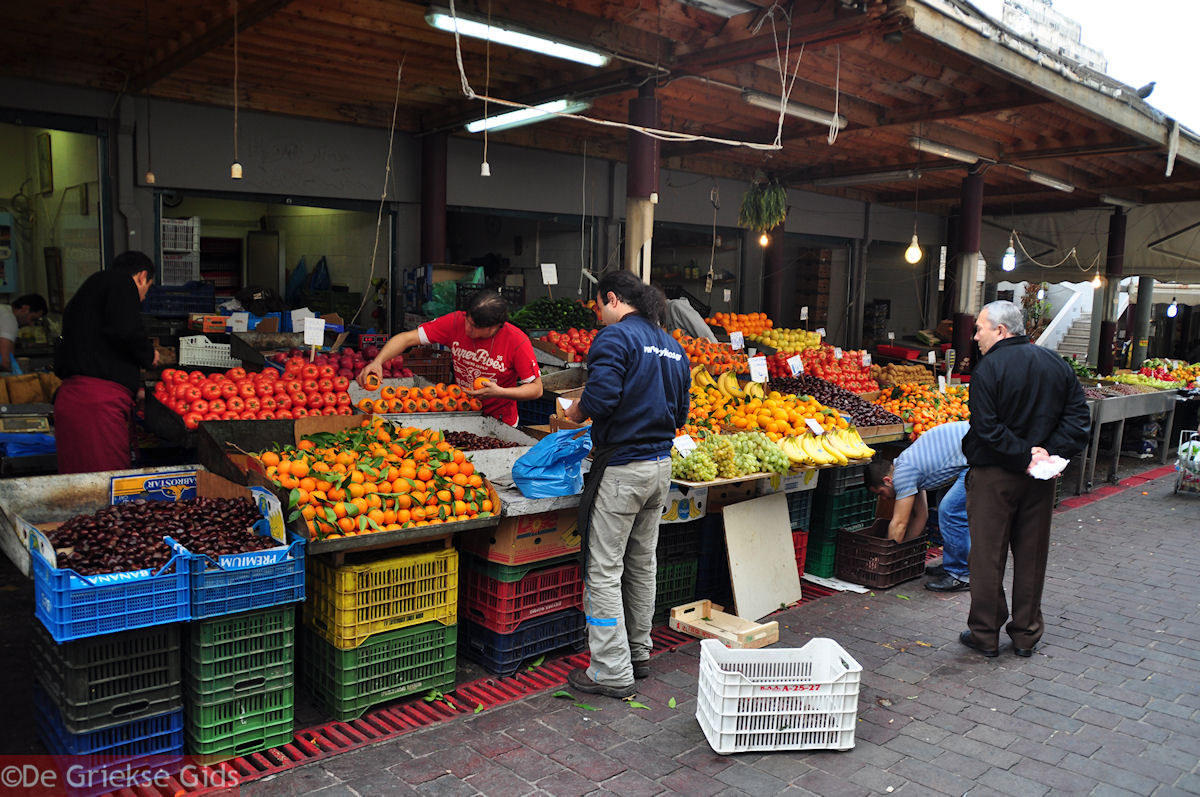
{"x":551,"y":468}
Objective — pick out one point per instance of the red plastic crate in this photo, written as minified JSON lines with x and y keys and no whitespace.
{"x":800,"y":543}
{"x":897,"y":351}
{"x":502,"y":606}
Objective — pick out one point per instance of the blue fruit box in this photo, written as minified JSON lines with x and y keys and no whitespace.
{"x":189,"y":586}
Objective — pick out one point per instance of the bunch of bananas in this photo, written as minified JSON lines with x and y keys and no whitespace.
{"x":835,"y":447}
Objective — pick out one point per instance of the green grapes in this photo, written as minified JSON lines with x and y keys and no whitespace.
{"x":728,"y":457}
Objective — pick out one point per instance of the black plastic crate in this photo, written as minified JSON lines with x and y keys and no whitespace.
{"x":800,"y":509}
{"x":464,"y":292}
{"x":675,"y":584}
{"x":436,"y":365}
{"x":712,"y":570}
{"x":834,"y":481}
{"x":678,"y":541}
{"x":104,"y":681}
{"x":853,"y":509}
{"x":933,"y":531}
{"x":869,"y":558}
{"x":180,"y":301}
{"x":534,"y":413}
{"x":503,"y":654}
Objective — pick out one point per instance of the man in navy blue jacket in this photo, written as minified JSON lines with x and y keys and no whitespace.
{"x":636,"y":396}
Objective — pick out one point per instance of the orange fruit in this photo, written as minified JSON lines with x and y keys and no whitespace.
{"x":481,"y":381}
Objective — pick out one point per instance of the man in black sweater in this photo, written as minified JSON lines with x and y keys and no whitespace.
{"x":100,"y":357}
{"x":1026,"y":405}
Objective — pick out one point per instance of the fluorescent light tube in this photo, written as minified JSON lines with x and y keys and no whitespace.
{"x":807,"y":112}
{"x":506,"y":33}
{"x":527,"y":116}
{"x":945,"y":150}
{"x":894,"y":176}
{"x":1048,"y":181}
{"x":722,"y":8}
{"x":1120,"y":202}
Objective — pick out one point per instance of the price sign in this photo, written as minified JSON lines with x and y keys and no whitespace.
{"x":932,"y":358}
{"x":239,"y":322}
{"x":314,"y":331}
{"x":549,"y":274}
{"x":866,"y":359}
{"x":891,"y":336}
{"x":813,"y":426}
{"x":796,"y":363}
{"x":728,"y":294}
{"x":737,"y":340}
{"x":684,"y":444}
{"x":565,"y":403}
{"x":758,"y":369}
{"x":837,"y":352}
{"x":804,"y":313}
{"x":820,"y":332}
{"x":941,"y":384}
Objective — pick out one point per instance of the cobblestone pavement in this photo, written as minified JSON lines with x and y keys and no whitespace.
{"x":1109,"y":704}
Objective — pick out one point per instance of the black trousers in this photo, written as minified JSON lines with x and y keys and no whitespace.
{"x":1007,"y":511}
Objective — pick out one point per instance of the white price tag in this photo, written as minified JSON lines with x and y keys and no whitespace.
{"x":565,"y":403}
{"x":758,"y":369}
{"x":891,"y":336}
{"x":796,"y":363}
{"x":737,"y":340}
{"x":866,"y":359}
{"x":728,"y":295}
{"x":941,"y":384}
{"x":314,"y":331}
{"x":837,"y":352}
{"x":804,"y":313}
{"x":820,"y":332}
{"x":549,"y":273}
{"x":684,"y":444}
{"x":932,"y":358}
{"x":239,"y":322}
{"x":298,"y":317}
{"x":813,"y":426}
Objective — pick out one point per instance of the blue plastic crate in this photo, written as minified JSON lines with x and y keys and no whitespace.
{"x":534,"y":413}
{"x":72,"y":606}
{"x":244,"y":582}
{"x":502,"y":654}
{"x":180,"y":300}
{"x":158,"y":735}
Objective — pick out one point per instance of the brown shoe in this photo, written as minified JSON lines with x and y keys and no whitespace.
{"x":578,"y":678}
{"x":641,"y":669}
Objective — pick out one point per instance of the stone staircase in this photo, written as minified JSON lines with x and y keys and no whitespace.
{"x":1075,"y":343}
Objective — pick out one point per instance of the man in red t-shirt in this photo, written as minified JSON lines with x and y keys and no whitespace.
{"x":483,"y":344}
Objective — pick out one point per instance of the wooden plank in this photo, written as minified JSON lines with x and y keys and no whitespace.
{"x":762,"y":560}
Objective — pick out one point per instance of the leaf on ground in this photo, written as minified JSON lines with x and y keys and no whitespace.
{"x":478,"y":708}
{"x":563,"y":693}
{"x":635,"y":704}
{"x":922,"y":644}
{"x":671,"y":703}
{"x":903,"y":597}
{"x":536,"y":663}
{"x":586,"y":707}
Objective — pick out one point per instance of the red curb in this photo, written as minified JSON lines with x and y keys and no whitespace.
{"x":1100,"y":493}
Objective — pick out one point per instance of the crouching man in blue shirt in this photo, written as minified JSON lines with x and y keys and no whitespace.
{"x":636,"y":396}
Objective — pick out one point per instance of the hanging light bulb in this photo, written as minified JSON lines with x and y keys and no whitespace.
{"x":150,"y":178}
{"x":913,"y":253}
{"x":764,"y":240}
{"x":1009,"y":262}
{"x":1096,"y":281}
{"x":485,"y":170}
{"x":235,"y":170}
{"x":1172,"y":308}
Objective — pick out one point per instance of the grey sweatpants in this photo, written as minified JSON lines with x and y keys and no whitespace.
{"x":619,"y":586}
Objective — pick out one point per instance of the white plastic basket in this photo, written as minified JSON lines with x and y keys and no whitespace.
{"x":781,"y":699}
{"x":181,"y":235}
{"x":199,"y":350}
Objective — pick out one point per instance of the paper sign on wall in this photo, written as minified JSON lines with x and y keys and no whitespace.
{"x":685,"y":444}
{"x":796,"y":363}
{"x":549,"y":273}
{"x":239,"y":322}
{"x":737,"y":340}
{"x":728,"y":294}
{"x":758,"y":369}
{"x":314,"y":331}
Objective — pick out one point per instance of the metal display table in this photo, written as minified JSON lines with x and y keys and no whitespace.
{"x":1117,"y":410}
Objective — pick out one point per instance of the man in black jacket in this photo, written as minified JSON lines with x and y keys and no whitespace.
{"x":100,"y":357}
{"x":1026,"y":405}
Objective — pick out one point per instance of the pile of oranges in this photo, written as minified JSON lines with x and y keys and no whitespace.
{"x":778,"y":415}
{"x":924,"y":407}
{"x":717,"y":357}
{"x":377,"y":477}
{"x":432,"y":398}
{"x":746,"y":323}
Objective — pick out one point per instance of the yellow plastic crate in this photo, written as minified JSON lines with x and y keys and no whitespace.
{"x":348,"y":604}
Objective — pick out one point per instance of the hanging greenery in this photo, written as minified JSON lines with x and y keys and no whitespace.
{"x":764,"y":205}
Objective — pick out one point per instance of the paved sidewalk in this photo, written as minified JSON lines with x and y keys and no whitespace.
{"x":1109,"y":704}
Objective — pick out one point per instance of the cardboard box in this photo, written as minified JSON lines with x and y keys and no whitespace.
{"x":792,"y":483}
{"x":526,"y":538}
{"x":683,"y":508}
{"x":705,"y":620}
{"x":207,"y":322}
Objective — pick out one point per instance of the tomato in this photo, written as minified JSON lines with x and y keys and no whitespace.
{"x":212,"y":416}
{"x":283,"y":401}
{"x":268,"y":415}
{"x":269,"y":403}
{"x":193,"y":393}
{"x":341,"y":383}
{"x":246,"y":390}
{"x":329,"y":410}
{"x":299,"y":399}
{"x":345,"y":410}
{"x":236,"y":404}
{"x":229,"y":389}
{"x":217,"y":405}
{"x":169,"y":374}
{"x":295,"y":386}
{"x":280,"y":387}
{"x":299,"y":412}
{"x":249,"y":415}
{"x":236,"y":373}
{"x":230,"y":415}
{"x":286,"y":414}
{"x":263,"y":389}
{"x":327,"y":371}
{"x":200,"y":405}
{"x":181,"y":407}
{"x":325,"y":384}
{"x":310,"y":386}
{"x":314,"y":401}
{"x":192,"y":419}
{"x":329,"y":399}
{"x":210,"y":390}
{"x":311,"y":371}
{"x":343,"y":399}
{"x":253,"y":404}
{"x":179,"y":391}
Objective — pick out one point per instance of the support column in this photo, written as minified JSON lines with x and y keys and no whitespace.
{"x":433,"y":198}
{"x":1141,"y":321}
{"x":1114,"y":269}
{"x":969,"y":225}
{"x":773,"y":278}
{"x":641,"y":183}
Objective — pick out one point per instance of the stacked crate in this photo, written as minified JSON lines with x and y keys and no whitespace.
{"x":238,"y":681}
{"x":378,"y":628}
{"x":678,"y":555}
{"x":115,"y":696}
{"x":521,"y":591}
{"x":840,"y":502}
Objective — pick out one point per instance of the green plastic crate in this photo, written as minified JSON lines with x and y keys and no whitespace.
{"x":235,"y":636}
{"x":854,"y":509}
{"x":512,"y":573}
{"x":211,"y":721}
{"x":233,"y":739}
{"x":675,"y":584}
{"x":821,"y":556}
{"x":392,"y":665}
